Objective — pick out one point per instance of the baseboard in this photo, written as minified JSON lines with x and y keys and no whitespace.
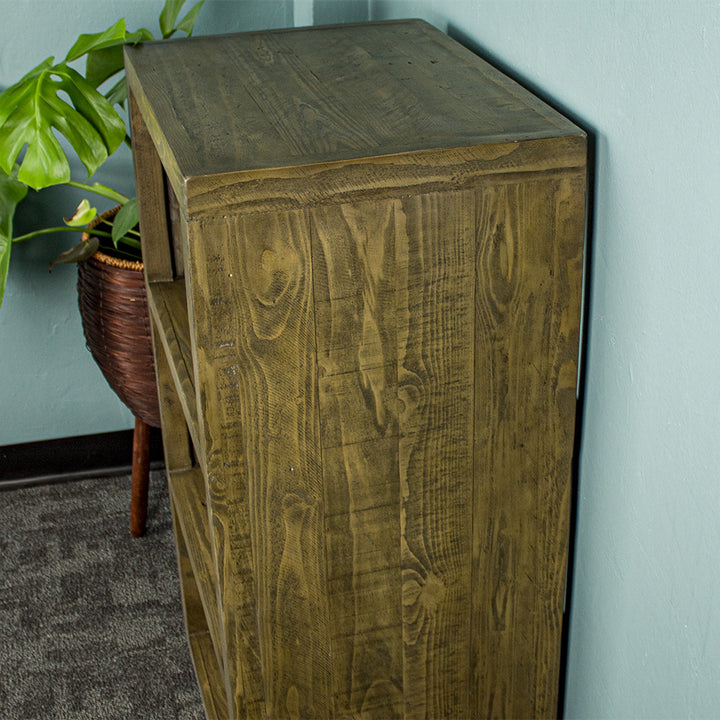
{"x":72,"y":458}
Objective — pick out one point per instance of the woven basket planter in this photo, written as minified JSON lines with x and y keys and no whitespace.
{"x":114,"y":311}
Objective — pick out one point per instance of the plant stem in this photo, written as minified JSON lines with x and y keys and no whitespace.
{"x":120,"y":251}
{"x":99,"y":189}
{"x":36,"y":233}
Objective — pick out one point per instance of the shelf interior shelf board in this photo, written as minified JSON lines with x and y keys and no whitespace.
{"x":187,"y":490}
{"x":168,"y":308}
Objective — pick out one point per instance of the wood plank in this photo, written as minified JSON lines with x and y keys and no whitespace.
{"x":435,"y":240}
{"x":177,"y":230}
{"x":150,"y":189}
{"x":354,"y":265}
{"x":168,"y":307}
{"x":400,"y":106}
{"x":529,"y":264}
{"x":395,"y":327}
{"x":222,"y":446}
{"x":377,"y":177}
{"x":187,"y":489}
{"x":209,"y":678}
{"x":261,"y":397}
{"x":277,"y":374}
{"x":158,"y":158}
{"x":202,"y":652}
{"x":297,"y":100}
{"x":176,"y":440}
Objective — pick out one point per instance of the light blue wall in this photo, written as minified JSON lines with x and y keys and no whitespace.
{"x":645,"y":78}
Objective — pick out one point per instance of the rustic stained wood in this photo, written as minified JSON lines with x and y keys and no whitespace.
{"x":363,"y":248}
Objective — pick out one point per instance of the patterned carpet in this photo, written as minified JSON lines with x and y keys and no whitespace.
{"x":91,"y":625}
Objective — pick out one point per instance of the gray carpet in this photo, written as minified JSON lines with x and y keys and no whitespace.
{"x":91,"y":624}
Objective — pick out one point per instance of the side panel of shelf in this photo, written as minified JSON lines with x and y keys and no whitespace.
{"x":207,"y":669}
{"x":164,"y":238}
{"x":188,"y":494}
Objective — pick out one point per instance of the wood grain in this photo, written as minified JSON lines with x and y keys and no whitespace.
{"x":150,"y":189}
{"x":435,"y":311}
{"x":176,"y":440}
{"x":529,"y":261}
{"x":354,"y":261}
{"x":167,"y":304}
{"x":274,"y":302}
{"x":221,"y":431}
{"x":188,"y":491}
{"x":377,"y":178}
{"x":267,"y":395}
{"x":202,"y":650}
{"x":209,"y":677}
{"x":395,"y":353}
{"x":308,"y":96}
{"x":375,"y":349}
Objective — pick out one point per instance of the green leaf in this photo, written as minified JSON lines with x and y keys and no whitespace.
{"x":5,"y":248}
{"x":78,"y":253}
{"x":45,"y":162}
{"x":133,"y":243}
{"x":95,"y":108}
{"x":103,"y":63}
{"x":168,"y":16}
{"x":11,"y":193}
{"x":187,"y":24}
{"x":88,"y":42}
{"x":13,"y":95}
{"x":82,"y":216}
{"x":117,"y":95}
{"x":125,"y":220}
{"x":29,"y":111}
{"x":44,"y":65}
{"x":141,"y":35}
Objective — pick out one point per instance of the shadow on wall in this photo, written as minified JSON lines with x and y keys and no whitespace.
{"x":330,"y":12}
{"x":220,"y":17}
{"x":230,"y":16}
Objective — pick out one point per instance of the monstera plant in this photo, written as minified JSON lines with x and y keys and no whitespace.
{"x":55,"y":99}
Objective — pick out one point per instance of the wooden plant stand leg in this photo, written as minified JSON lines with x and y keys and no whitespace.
{"x":140,"y":477}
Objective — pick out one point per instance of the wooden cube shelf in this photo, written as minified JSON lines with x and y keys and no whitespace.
{"x":363,"y":249}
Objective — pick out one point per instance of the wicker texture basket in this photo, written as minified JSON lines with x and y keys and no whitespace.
{"x":114,"y":311}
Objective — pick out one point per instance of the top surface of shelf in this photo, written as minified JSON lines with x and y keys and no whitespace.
{"x":294,"y":97}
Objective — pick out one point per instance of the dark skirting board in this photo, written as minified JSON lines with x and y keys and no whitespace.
{"x":81,"y":456}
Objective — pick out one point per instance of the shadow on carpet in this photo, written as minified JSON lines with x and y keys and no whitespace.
{"x":91,"y":623}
